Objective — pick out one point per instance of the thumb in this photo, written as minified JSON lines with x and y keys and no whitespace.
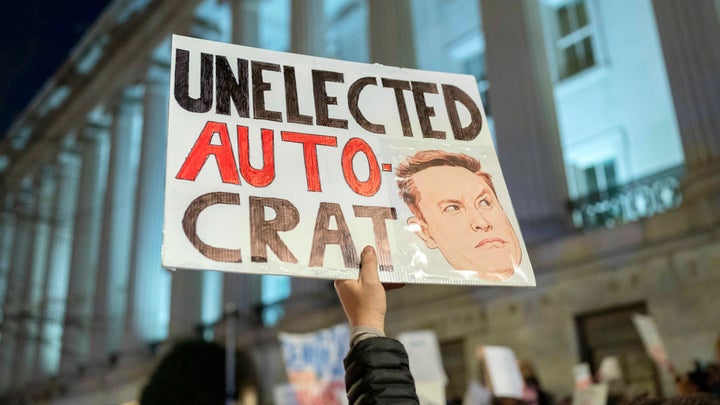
{"x":369,"y":266}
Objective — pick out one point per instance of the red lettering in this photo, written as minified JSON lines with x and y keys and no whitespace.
{"x":257,"y":177}
{"x":372,"y":184}
{"x":202,"y":150}
{"x":310,"y":143}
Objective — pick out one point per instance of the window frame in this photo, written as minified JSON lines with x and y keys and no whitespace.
{"x":556,"y":43}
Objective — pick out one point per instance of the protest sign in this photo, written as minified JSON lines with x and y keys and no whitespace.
{"x":651,"y":339}
{"x":609,"y":370}
{"x":582,"y":375}
{"x":502,"y":372}
{"x":288,"y":164}
{"x":426,"y":365}
{"x":314,"y":364}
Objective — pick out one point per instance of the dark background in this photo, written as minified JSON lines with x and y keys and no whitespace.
{"x":37,"y":36}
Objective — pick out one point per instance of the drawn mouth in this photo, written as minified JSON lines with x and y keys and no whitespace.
{"x":490,"y":242}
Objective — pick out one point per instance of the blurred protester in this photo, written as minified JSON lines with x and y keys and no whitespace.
{"x":701,"y":398}
{"x":713,"y":370}
{"x":693,"y":381}
{"x":377,"y":370}
{"x":193,"y":373}
{"x":702,"y":379}
{"x":533,"y":393}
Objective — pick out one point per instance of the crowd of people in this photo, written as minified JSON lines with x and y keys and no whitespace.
{"x":377,"y":369}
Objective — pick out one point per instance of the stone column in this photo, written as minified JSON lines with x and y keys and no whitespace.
{"x":116,"y":239}
{"x":35,"y":276}
{"x":186,"y":298}
{"x":11,"y":234}
{"x":527,"y":134}
{"x":59,"y":253}
{"x":74,"y":293}
{"x":58,"y":258}
{"x":245,"y":18}
{"x":149,"y":303}
{"x":307,"y":27}
{"x":7,"y":233}
{"x":390,"y":27}
{"x":22,"y":209}
{"x":690,"y":38}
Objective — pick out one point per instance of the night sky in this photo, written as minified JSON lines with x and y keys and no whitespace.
{"x":37,"y":37}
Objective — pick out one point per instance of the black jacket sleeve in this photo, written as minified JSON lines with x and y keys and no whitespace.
{"x":377,"y":371}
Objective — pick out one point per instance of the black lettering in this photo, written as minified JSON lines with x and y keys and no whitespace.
{"x":453,"y":94}
{"x":378,"y":215}
{"x":291,"y":98}
{"x":189,"y":223}
{"x":419,"y":89}
{"x":259,"y":89}
{"x":264,"y":233}
{"x":203,"y":103}
{"x":324,"y":236}
{"x":353,"y":98}
{"x":228,"y":87}
{"x":399,"y":86}
{"x":322,"y":100}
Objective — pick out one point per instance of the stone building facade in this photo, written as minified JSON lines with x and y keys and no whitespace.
{"x":87,"y":309}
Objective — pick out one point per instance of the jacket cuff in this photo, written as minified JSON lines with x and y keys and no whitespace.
{"x":360,"y":333}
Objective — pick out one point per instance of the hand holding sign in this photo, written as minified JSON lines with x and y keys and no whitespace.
{"x":364,"y":299}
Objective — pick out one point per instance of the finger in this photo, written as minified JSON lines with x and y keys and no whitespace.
{"x":368,"y":266}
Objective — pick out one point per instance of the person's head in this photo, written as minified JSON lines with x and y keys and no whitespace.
{"x":527,"y":370}
{"x":455,"y":209}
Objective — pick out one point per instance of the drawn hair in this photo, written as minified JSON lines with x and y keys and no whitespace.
{"x":432,"y":158}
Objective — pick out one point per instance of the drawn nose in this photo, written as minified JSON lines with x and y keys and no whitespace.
{"x":478,"y":222}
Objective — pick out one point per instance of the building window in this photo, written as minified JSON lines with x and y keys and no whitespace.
{"x":599,"y":177}
{"x":574,"y":42}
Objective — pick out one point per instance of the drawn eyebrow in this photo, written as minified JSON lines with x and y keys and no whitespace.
{"x":449,"y":201}
{"x":485,"y":190}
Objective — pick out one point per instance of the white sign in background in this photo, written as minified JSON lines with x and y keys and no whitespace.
{"x":426,"y":365}
{"x":651,"y":339}
{"x":331,"y":189}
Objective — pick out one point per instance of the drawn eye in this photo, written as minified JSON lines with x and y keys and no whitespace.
{"x":484,"y":203}
{"x":451,"y":208}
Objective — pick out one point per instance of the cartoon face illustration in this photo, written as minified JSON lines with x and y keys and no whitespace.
{"x":455,"y":209}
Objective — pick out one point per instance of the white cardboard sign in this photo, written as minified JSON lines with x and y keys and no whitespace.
{"x":503,"y":372}
{"x":288,"y":164}
{"x":651,"y":339}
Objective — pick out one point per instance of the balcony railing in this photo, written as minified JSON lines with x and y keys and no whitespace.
{"x":629,"y":202}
